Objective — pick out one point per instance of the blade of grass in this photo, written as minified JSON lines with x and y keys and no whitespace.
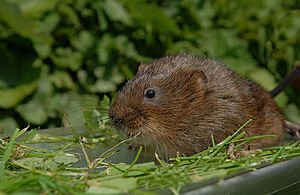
{"x":160,"y":161}
{"x":133,"y":162}
{"x":71,"y":127}
{"x":94,"y":162}
{"x":277,"y":154}
{"x":85,"y":155}
{"x":212,"y":140}
{"x":7,"y":154}
{"x":235,"y":133}
{"x":22,"y":131}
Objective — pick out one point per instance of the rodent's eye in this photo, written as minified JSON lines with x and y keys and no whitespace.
{"x":150,"y":93}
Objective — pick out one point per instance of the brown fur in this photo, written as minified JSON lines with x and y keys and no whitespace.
{"x":195,"y":98}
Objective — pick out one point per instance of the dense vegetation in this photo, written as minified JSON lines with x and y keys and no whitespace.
{"x":52,"y":52}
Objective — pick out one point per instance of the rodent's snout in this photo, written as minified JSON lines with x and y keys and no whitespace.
{"x":125,"y":118}
{"x":114,"y":118}
{"x":116,"y":121}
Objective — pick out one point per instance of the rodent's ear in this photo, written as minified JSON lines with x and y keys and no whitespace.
{"x":199,"y":76}
{"x":142,"y":67}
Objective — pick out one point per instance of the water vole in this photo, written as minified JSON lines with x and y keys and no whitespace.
{"x":177,"y":102}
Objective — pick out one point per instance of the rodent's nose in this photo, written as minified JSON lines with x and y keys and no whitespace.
{"x":116,"y":120}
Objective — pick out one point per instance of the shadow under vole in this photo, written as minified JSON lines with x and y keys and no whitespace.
{"x":177,"y":102}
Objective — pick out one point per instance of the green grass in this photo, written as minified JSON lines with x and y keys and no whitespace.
{"x":26,"y":168}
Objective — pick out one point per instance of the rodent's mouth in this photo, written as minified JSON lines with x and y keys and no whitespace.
{"x":126,"y":131}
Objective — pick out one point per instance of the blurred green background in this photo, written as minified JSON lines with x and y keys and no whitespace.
{"x":62,"y":56}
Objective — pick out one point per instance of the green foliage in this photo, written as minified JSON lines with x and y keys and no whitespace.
{"x":52,"y":51}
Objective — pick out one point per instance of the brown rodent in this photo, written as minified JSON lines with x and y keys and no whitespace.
{"x":177,"y":102}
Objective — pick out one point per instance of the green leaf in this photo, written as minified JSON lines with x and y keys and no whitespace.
{"x":43,"y":50}
{"x":113,"y":186}
{"x":264,"y":78}
{"x":33,"y":112}
{"x":12,"y":96}
{"x":221,"y":43}
{"x":65,"y":159}
{"x":32,"y":162}
{"x":242,"y":65}
{"x":36,"y":8}
{"x":116,"y":11}
{"x":50,"y":164}
{"x":292,"y":113}
{"x":103,"y":190}
{"x":8,"y":14}
{"x":127,"y":48}
{"x":45,"y":87}
{"x":36,"y":109}
{"x":62,"y":79}
{"x":267,"y":81}
{"x":105,"y":44}
{"x":7,"y":125}
{"x":103,"y":86}
{"x":185,"y":46}
{"x":104,"y":106}
{"x":70,"y":15}
{"x":121,"y":43}
{"x":151,"y":16}
{"x":103,"y":23}
{"x":50,"y":22}
{"x":83,"y":41}
{"x":67,"y":58}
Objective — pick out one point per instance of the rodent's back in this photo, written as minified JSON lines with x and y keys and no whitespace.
{"x":196,"y":98}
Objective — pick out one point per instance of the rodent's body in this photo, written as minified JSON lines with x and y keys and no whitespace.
{"x":194,"y":99}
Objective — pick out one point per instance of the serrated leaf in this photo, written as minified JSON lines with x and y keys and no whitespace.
{"x":92,"y":119}
{"x":64,"y":159}
{"x":50,"y":164}
{"x":32,"y":162}
{"x":104,"y":105}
